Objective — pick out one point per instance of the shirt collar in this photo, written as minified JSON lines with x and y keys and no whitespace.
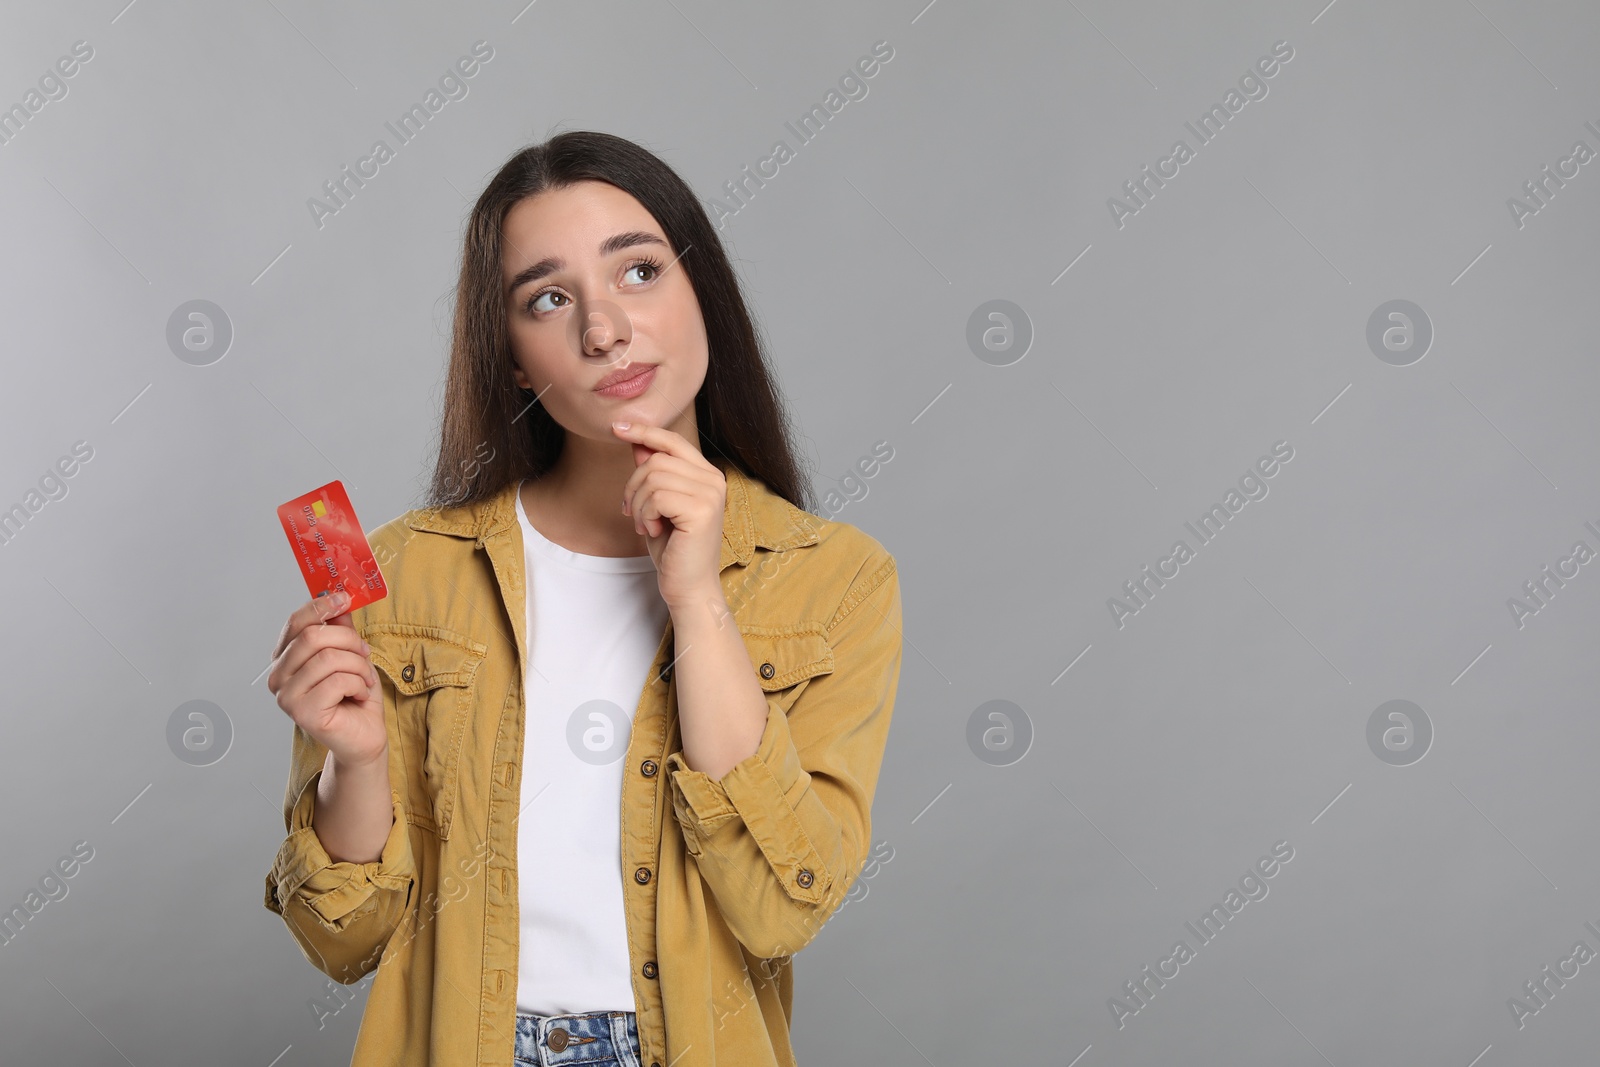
{"x":753,"y":516}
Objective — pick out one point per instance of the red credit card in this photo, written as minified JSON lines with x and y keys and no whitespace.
{"x":328,"y":544}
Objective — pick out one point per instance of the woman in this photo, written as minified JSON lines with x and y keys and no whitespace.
{"x":603,"y":760}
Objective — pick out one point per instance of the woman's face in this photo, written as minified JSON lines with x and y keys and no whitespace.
{"x":593,"y":289}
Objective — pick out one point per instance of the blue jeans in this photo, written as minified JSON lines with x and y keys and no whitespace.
{"x":592,"y":1039}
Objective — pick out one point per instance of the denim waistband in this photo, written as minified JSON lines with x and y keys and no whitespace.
{"x":591,"y":1039}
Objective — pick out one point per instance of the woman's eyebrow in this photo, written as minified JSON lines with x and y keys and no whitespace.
{"x":614,"y":243}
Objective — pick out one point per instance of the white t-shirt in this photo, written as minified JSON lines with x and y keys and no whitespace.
{"x":594,"y":625}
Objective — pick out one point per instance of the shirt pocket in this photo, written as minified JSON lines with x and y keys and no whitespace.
{"x":431,"y":670}
{"x":786,"y":658}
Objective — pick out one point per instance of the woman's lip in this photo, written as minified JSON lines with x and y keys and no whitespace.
{"x":633,"y":386}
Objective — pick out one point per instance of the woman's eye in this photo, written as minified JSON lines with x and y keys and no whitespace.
{"x":533,"y":301}
{"x":651,"y":267}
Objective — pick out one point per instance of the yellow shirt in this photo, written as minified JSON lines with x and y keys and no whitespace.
{"x":724,"y":879}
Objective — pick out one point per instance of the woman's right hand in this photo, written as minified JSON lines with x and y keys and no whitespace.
{"x":326,"y":683}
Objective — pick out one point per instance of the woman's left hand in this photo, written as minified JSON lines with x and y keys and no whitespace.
{"x":677,"y":499}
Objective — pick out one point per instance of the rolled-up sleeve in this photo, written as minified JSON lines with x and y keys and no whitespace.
{"x":341,"y":913}
{"x":780,"y":837}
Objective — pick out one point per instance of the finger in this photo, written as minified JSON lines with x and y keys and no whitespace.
{"x":335,"y":614}
{"x":311,"y":687}
{"x":317,"y":710}
{"x":303,"y":616}
{"x":655,"y":528}
{"x":661,"y":463}
{"x":685,"y":504}
{"x":671,"y":509}
{"x":661,"y":439}
{"x":307,"y":643}
{"x":317,"y":609}
{"x":312,"y":692}
{"x":332,"y":661}
{"x":680,"y":494}
{"x":645,"y":505}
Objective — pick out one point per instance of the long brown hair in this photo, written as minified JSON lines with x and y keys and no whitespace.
{"x":493,"y":433}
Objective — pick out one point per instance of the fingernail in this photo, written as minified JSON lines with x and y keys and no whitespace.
{"x":365,"y":648}
{"x":622,"y":425}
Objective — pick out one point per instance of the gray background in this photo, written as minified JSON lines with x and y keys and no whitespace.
{"x":1230,"y":313}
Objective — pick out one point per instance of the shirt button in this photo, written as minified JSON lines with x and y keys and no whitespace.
{"x":649,"y":969}
{"x":408,"y":672}
{"x":666,"y":673}
{"x":767,"y":670}
{"x":642,"y":875}
{"x":805,"y":879}
{"x":648,"y":768}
